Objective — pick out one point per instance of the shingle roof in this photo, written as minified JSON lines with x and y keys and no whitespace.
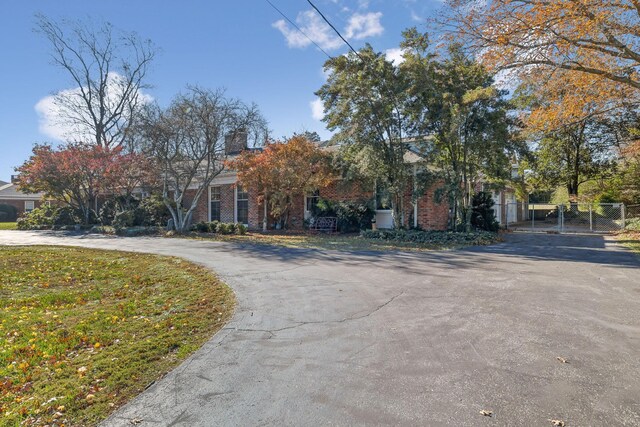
{"x":10,"y":191}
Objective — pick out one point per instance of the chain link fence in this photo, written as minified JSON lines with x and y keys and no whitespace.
{"x":564,"y":218}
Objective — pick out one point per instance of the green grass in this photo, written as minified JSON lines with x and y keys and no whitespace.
{"x":8,"y":226}
{"x":344,"y":242}
{"x":82,"y":331}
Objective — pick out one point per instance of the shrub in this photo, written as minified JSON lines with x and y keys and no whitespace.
{"x":438,"y":238}
{"x":124,"y":219}
{"x":226,"y":228}
{"x":633,"y":224}
{"x":483,"y":216}
{"x":213,"y":226}
{"x":351,"y":215}
{"x":241,"y":229}
{"x":66,"y":216}
{"x":114,"y":205}
{"x":152,"y":211}
{"x":8,"y":213}
{"x":38,"y":219}
{"x":201,"y":227}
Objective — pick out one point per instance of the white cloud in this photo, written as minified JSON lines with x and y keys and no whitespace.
{"x":395,"y":55}
{"x":359,"y":26}
{"x":57,"y":121}
{"x":415,"y":17}
{"x":313,"y":26}
{"x":317,"y":109}
{"x":365,"y":25}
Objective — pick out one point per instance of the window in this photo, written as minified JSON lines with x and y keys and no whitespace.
{"x":312,"y":201}
{"x":242,"y":205}
{"x":383,"y":198}
{"x":215,"y":204}
{"x":29,"y":205}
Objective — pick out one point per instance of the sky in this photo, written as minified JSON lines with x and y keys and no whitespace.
{"x":243,"y":46}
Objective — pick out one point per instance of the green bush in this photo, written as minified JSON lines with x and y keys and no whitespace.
{"x":200,"y":227}
{"x":66,"y":216}
{"x":152,"y":211}
{"x":633,"y":224}
{"x":351,"y":216}
{"x":114,"y":205}
{"x":444,"y":238}
{"x":219,"y":227}
{"x":483,"y":216}
{"x":241,"y":229}
{"x":38,"y":219}
{"x":8,"y":213}
{"x":124,"y":219}
{"x":226,"y":228}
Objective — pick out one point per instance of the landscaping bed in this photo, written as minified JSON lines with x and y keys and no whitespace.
{"x":82,"y":331}
{"x":366,"y":240}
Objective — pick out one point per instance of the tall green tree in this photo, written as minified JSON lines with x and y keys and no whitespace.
{"x":365,"y":100}
{"x":453,"y":98}
{"x":574,"y":155}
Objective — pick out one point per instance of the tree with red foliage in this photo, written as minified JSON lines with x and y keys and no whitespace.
{"x":76,"y":174}
{"x":283,"y":171}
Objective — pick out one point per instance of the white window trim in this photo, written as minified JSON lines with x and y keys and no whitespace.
{"x":235,"y":204}
{"x":28,"y":203}
{"x":219,"y":201}
{"x":209,"y":203}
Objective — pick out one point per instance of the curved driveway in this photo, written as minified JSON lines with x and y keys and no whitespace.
{"x":338,"y":338}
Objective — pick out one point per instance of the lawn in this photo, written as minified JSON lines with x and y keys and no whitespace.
{"x":346,"y":242}
{"x":82,"y":331}
{"x":8,"y":226}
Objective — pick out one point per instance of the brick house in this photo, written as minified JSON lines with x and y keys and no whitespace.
{"x":23,"y":202}
{"x":227,"y":201}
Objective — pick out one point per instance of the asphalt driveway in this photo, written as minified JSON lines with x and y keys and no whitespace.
{"x":336,"y":338}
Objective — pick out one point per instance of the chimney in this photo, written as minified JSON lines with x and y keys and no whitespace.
{"x":14,"y":179}
{"x":235,"y":142}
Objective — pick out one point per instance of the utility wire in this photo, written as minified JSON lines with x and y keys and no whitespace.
{"x":299,"y":29}
{"x":334,"y":28}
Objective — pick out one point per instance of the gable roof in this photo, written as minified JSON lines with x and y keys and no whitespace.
{"x":10,"y":191}
{"x":2,"y":183}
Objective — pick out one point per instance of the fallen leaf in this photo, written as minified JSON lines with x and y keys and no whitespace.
{"x":562,"y":359}
{"x":486,"y":413}
{"x":135,"y":421}
{"x":558,"y":423}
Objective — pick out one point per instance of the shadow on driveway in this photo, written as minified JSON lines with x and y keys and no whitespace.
{"x":596,"y":249}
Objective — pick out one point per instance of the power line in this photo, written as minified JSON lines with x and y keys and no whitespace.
{"x":333,"y":28}
{"x":299,"y":29}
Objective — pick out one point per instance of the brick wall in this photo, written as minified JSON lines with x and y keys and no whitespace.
{"x":19,"y":204}
{"x":431,"y":215}
{"x":340,"y":190}
{"x":227,"y":206}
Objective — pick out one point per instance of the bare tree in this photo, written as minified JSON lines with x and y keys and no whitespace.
{"x":109,"y":67}
{"x":188,"y":142}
